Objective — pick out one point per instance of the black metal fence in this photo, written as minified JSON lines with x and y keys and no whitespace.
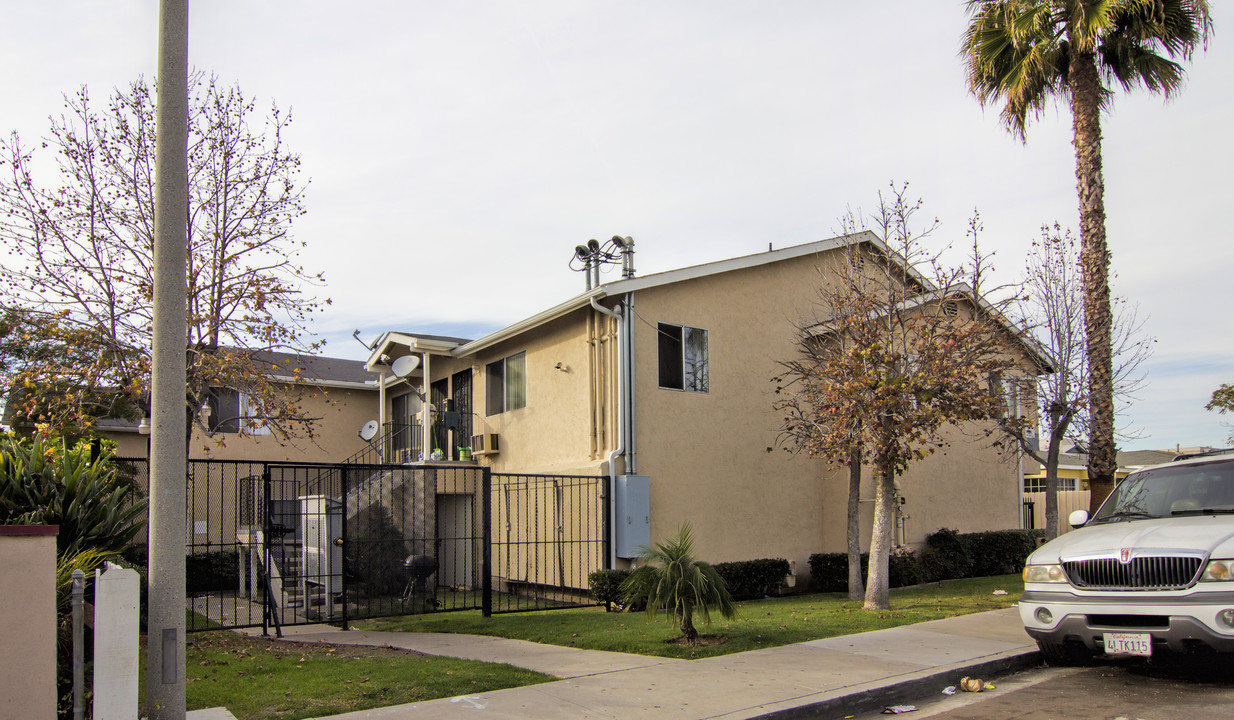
{"x":274,"y":544}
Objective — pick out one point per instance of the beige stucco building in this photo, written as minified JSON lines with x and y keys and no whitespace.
{"x":339,"y":395}
{"x":668,"y":376}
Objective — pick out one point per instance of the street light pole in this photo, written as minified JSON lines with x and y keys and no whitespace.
{"x":168,"y":458}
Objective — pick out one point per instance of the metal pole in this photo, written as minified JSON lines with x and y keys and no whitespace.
{"x":168,"y":461}
{"x":79,"y":644}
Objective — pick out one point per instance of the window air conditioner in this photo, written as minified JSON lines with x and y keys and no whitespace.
{"x":485,"y":444}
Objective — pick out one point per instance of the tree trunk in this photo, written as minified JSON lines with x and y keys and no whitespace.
{"x":1094,"y":265}
{"x":856,"y":586}
{"x":1059,"y":422}
{"x":687,"y":626}
{"x":877,"y":594}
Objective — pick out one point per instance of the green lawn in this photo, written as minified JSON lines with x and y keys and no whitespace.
{"x":759,"y":623}
{"x":261,"y":679}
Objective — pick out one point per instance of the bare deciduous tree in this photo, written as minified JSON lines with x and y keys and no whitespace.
{"x":1053,"y":307}
{"x":79,"y":249}
{"x":899,"y":347}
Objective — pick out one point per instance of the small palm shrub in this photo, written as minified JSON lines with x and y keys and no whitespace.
{"x":669,"y":579}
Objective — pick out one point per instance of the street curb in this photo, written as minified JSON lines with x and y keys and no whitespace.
{"x":875,"y":696}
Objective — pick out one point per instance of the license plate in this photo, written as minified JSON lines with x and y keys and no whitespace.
{"x":1128,"y":643}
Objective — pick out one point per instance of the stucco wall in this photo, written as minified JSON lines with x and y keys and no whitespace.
{"x":713,"y":457}
{"x":340,"y":412}
{"x":28,"y":621}
{"x":557,"y":431}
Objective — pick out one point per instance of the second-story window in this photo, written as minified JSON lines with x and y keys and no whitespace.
{"x":683,"y":358}
{"x":506,"y":384}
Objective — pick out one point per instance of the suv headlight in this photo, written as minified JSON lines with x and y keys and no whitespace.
{"x":1044,"y":574}
{"x":1218,"y":571}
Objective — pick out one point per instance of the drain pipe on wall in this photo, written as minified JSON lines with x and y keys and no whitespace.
{"x":622,"y":410}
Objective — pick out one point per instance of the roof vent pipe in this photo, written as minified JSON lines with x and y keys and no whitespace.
{"x":627,"y":255}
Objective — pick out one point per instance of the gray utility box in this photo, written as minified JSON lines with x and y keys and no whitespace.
{"x":633,"y":514}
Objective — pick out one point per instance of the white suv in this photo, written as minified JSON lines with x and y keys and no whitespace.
{"x":1153,"y":569}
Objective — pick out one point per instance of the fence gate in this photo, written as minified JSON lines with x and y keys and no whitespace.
{"x":274,"y":544}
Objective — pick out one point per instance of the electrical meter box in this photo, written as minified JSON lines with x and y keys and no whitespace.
{"x":633,"y":514}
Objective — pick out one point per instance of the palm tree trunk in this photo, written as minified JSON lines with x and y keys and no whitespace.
{"x":1094,"y":265}
{"x":687,"y":626}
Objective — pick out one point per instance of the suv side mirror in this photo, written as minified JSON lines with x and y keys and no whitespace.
{"x":1078,"y":518}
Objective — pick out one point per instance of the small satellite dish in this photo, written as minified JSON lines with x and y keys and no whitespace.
{"x":404,"y":366}
{"x":369,"y":431}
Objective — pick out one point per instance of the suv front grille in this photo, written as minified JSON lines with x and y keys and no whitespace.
{"x":1142,"y":573}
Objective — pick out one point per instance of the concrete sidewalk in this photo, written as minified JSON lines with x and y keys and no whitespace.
{"x":819,"y":679}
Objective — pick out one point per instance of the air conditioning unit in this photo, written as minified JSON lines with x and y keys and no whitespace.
{"x":485,"y":444}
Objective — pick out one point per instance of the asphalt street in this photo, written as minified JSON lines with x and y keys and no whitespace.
{"x":1163,"y":689}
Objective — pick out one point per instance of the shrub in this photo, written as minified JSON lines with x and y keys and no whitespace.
{"x":830,"y":570}
{"x":217,"y":570}
{"x":946,"y":556}
{"x":375,"y":552}
{"x":753,"y":579}
{"x":606,"y":587}
{"x":999,"y":552}
{"x":47,"y":484}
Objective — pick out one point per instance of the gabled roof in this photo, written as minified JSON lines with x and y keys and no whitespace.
{"x":458,"y":347}
{"x":313,"y":369}
{"x":694,"y":272}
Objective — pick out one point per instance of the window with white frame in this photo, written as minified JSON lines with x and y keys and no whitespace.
{"x":234,"y":411}
{"x":683,"y":358}
{"x":506,"y":384}
{"x":1037,"y":485}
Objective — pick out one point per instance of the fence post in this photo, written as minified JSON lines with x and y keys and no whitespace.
{"x":606,"y":533}
{"x":264,"y":550}
{"x":341,"y":541}
{"x":486,"y":531}
{"x":79,"y":644}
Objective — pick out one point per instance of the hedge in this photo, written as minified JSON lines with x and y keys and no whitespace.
{"x":753,"y":579}
{"x":745,"y":579}
{"x":948,"y":555}
{"x":830,"y":570}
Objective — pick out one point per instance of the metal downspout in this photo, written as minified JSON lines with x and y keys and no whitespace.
{"x":631,"y":434}
{"x":617,"y":315}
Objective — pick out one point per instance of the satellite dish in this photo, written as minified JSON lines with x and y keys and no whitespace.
{"x":369,"y":431}
{"x":403,"y":367}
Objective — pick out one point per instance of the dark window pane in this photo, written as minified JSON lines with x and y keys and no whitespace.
{"x":224,"y":411}
{"x":670,"y":352}
{"x":494,"y":387}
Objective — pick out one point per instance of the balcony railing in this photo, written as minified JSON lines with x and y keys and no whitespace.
{"x":398,"y":443}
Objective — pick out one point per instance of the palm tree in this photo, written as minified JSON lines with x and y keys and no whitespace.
{"x":669,"y":578}
{"x":1023,"y":53}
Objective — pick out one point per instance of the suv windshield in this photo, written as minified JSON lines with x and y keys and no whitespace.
{"x":1205,"y":488}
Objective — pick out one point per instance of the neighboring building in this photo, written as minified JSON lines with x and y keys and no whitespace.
{"x":1073,"y":482}
{"x":668,"y":377}
{"x":340,"y":394}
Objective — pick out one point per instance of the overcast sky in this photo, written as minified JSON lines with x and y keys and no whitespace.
{"x":458,"y":151}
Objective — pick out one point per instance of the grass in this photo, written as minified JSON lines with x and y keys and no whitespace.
{"x":262,"y":679}
{"x":759,"y":623}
